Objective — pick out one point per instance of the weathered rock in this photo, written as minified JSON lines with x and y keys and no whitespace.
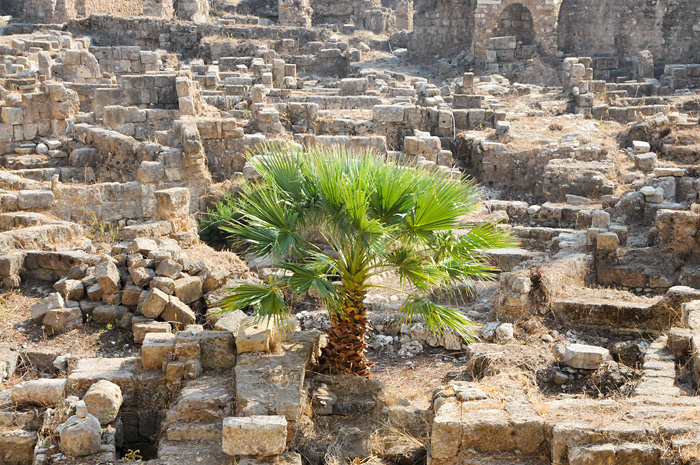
{"x":230,"y":321}
{"x":60,"y":320}
{"x":50,"y":302}
{"x":103,"y":400}
{"x":80,"y":435}
{"x":169,"y":269}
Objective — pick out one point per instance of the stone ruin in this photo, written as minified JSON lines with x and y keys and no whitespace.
{"x":122,"y":123}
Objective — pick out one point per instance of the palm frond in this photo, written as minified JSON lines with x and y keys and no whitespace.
{"x":437,"y":318}
{"x":267,"y":300}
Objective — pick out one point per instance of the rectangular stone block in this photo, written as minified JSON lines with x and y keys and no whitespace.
{"x":259,"y":435}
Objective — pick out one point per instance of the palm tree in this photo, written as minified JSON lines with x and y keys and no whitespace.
{"x":373,"y":216}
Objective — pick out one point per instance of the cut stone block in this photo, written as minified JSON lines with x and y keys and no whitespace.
{"x":156,"y":347}
{"x":585,"y":357}
{"x":107,"y":275}
{"x":188,"y":289}
{"x":260,"y":435}
{"x":177,"y":312}
{"x":155,"y":303}
{"x":39,"y":392}
{"x":103,"y":400}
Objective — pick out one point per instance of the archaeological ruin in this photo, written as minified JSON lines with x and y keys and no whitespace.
{"x":129,"y":131}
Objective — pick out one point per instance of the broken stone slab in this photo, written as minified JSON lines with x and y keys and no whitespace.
{"x":121,"y":371}
{"x":585,"y":357}
{"x":103,"y":400}
{"x":39,"y":309}
{"x":45,"y":392}
{"x":156,"y":347}
{"x":261,"y":435}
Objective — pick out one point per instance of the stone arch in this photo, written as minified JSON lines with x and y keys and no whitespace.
{"x":544,"y":15}
{"x":516,"y":20}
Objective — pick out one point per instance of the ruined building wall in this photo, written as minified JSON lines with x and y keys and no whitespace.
{"x":623,"y":28}
{"x":668,"y":28}
{"x":442,"y":27}
{"x":118,"y":8}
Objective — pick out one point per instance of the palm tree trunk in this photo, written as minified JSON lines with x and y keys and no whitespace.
{"x":347,"y":335}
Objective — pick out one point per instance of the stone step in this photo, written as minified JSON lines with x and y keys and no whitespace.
{"x":602,"y":309}
{"x":191,"y":452}
{"x":14,"y":182}
{"x":25,"y":199}
{"x":24,"y":162}
{"x":205,"y":399}
{"x":18,"y":220}
{"x":45,"y":236}
{"x":202,"y":432}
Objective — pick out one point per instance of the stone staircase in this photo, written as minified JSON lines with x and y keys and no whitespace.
{"x":193,"y":424}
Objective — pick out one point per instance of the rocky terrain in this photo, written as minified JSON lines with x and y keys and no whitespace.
{"x":123,"y":125}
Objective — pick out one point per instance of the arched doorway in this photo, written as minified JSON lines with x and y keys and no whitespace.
{"x":516,"y":20}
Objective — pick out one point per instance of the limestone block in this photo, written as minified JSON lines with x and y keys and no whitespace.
{"x":142,"y":245}
{"x":154,"y":304}
{"x":172,"y":202}
{"x":63,"y":319}
{"x":107,"y":276}
{"x":110,"y":314}
{"x":387,"y":113}
{"x":42,"y":307}
{"x":103,"y":400}
{"x":156,"y":347}
{"x":166,"y":285}
{"x":142,"y":328}
{"x":43,"y":392}
{"x":646,"y":161}
{"x":178,"y":312}
{"x":585,"y":357}
{"x":169,"y":269}
{"x":256,"y":335}
{"x":230,"y":322}
{"x":447,"y":431}
{"x":35,"y":199}
{"x":640,"y":147}
{"x":601,"y":454}
{"x":12,"y":116}
{"x":141,"y":275}
{"x":260,"y":435}
{"x":71,"y":289}
{"x":601,"y":219}
{"x":607,"y":241}
{"x":188,"y":289}
{"x":217,"y":350}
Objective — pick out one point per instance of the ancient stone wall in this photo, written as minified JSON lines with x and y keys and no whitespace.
{"x":442,"y":27}
{"x":120,"y":8}
{"x":668,"y":28}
